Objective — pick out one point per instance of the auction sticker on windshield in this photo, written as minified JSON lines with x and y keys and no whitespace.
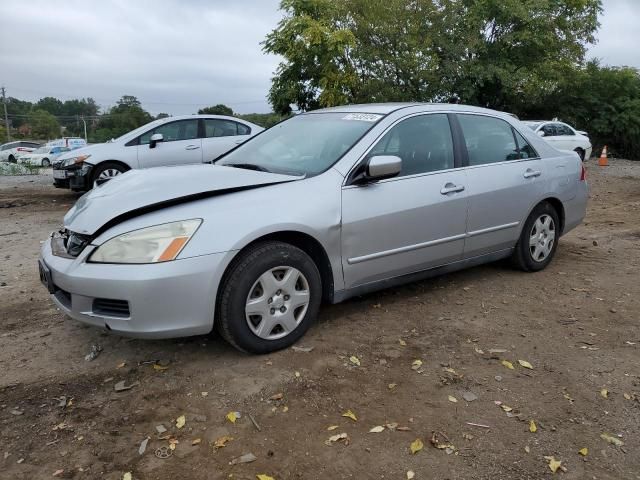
{"x":364,"y":117}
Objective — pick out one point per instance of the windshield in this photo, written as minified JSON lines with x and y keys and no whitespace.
{"x":42,"y":150}
{"x":307,"y":144}
{"x":533,"y":125}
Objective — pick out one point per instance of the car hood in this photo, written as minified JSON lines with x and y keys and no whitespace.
{"x":141,"y":191}
{"x":81,"y":151}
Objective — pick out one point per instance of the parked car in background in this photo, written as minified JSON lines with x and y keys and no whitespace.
{"x":169,"y":141}
{"x":42,"y":156}
{"x":323,"y":206}
{"x":69,"y":142}
{"x":563,"y":136}
{"x":9,"y":152}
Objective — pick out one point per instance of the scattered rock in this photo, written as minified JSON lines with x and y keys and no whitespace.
{"x":469,"y":396}
{"x":15,"y":411}
{"x":246,"y":458}
{"x":498,"y":378}
{"x":93,"y":353}
{"x":143,"y":446}
{"x":302,"y":349}
{"x":121,"y":386}
{"x":160,"y":429}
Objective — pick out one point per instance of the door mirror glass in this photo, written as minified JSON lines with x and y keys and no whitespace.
{"x":155,"y":138}
{"x":380,"y":167}
{"x":540,"y":133}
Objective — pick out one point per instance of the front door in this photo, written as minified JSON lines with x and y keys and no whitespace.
{"x":180,"y":145}
{"x":414,"y":221}
{"x":505,"y":178}
{"x":220,"y":136}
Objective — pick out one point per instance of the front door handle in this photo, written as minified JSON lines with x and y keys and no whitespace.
{"x":532,"y":173}
{"x":191,"y":147}
{"x":451,"y":188}
{"x":238,"y":142}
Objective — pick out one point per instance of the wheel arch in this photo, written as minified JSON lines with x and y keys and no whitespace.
{"x":305,"y":242}
{"x":126,"y":166}
{"x":556,"y":203}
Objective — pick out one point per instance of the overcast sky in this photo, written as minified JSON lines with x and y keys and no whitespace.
{"x":179,"y":55}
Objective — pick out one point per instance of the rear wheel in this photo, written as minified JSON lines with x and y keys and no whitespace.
{"x":12,"y":159}
{"x":539,"y":239}
{"x":580,"y":153}
{"x":46,"y":162}
{"x":269,"y":298}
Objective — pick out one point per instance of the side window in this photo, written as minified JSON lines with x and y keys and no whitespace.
{"x":423,"y":143}
{"x":488,"y":139}
{"x":173,"y":131}
{"x":563,"y":130}
{"x":549,"y":130}
{"x":524,"y":149}
{"x":214,"y":127}
{"x":243,"y":129}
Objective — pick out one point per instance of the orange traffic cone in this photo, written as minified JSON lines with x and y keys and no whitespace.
{"x":603,"y":162}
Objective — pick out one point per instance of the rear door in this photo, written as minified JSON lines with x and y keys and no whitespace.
{"x":411,"y":222}
{"x":504,"y":177}
{"x":221,"y":135}
{"x":181,"y":145}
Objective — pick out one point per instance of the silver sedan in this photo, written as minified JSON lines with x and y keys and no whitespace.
{"x":324,"y":206}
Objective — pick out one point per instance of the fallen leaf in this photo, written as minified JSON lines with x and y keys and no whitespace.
{"x":277,"y":396}
{"x":159,"y":367}
{"x":402,"y":342}
{"x":416,"y":446}
{"x":416,"y":364}
{"x":506,"y":408}
{"x":497,"y":350}
{"x":532,"y":426}
{"x":554,"y":464}
{"x":332,"y":427}
{"x":232,"y":417}
{"x":604,"y":393}
{"x":196,"y":441}
{"x":525,"y":364}
{"x":338,"y":438}
{"x":403,"y":429}
{"x":262,"y":476}
{"x":127,"y":476}
{"x":355,"y":360}
{"x":442,"y":445}
{"x":481,"y":352}
{"x":391,"y":386}
{"x":410,"y":475}
{"x":222,"y":442}
{"x":58,"y":472}
{"x":527,"y":449}
{"x":297,"y":374}
{"x":172,"y":443}
{"x":377,"y":429}
{"x":611,"y":439}
{"x":351,"y":415}
{"x":285,"y":409}
{"x":302,"y":349}
{"x":121,"y":365}
{"x":507,"y":364}
{"x":584,"y":451}
{"x":626,"y":396}
{"x":246,"y":458}
{"x":453,"y":399}
{"x":180,"y":421}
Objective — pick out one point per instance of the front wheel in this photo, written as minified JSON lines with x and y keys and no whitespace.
{"x":581,"y":153}
{"x":106,"y":171}
{"x":46,"y":163}
{"x":538,"y":240}
{"x":269,"y":298}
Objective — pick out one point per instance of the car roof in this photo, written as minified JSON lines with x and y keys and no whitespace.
{"x":188,"y":117}
{"x":386,"y":108}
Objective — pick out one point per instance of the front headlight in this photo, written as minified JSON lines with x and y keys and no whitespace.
{"x":160,"y":243}
{"x":74,"y":160}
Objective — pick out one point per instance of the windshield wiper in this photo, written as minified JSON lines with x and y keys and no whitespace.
{"x":247,"y":166}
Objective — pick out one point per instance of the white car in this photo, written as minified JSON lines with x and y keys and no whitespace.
{"x":563,"y":136}
{"x":9,"y":152}
{"x":43,"y":156}
{"x":180,"y":140}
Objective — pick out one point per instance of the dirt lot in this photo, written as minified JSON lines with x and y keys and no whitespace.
{"x":577,"y":323}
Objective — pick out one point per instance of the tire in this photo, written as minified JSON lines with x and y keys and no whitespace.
{"x":535,"y":257}
{"x":46,"y":163}
{"x":254,"y":281}
{"x":580,"y":153}
{"x":106,"y":171}
{"x":12,"y":159}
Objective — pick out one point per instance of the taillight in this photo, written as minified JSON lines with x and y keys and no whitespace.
{"x":583,"y":173}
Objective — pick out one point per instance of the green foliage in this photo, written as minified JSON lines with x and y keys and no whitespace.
{"x":265,"y":120}
{"x":219,"y":109}
{"x":44,"y":126}
{"x":487,"y":52}
{"x":125,"y":116}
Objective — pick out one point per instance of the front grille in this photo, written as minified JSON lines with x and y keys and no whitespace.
{"x":110,"y":307}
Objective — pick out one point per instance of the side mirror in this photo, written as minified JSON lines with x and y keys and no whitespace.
{"x":155,"y":138}
{"x":541,"y":133}
{"x":380,"y":167}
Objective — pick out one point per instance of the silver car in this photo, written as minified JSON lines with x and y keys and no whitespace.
{"x":324,"y":206}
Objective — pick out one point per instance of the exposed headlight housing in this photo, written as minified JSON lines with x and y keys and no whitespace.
{"x":160,"y":243}
{"x":74,"y":160}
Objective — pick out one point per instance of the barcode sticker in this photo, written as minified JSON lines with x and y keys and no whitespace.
{"x":363,"y":117}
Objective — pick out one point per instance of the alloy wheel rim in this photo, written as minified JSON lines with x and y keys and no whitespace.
{"x":542,"y":238}
{"x":277,"y":302}
{"x":109,"y":173}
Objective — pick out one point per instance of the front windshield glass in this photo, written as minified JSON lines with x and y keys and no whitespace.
{"x":307,"y":144}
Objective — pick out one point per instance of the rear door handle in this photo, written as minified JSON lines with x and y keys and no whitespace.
{"x":532,"y":173}
{"x":191,"y":147}
{"x":451,"y":188}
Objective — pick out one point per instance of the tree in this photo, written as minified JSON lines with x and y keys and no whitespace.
{"x":487,"y":52}
{"x":162,"y":115}
{"x":44,"y":126}
{"x":125,"y":116}
{"x":51,"y":105}
{"x":219,"y":109}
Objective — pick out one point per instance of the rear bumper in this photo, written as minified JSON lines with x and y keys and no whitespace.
{"x":576,"y":209}
{"x":164,"y":300}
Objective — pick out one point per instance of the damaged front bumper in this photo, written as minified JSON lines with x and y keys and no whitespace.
{"x":76,"y":177}
{"x":161,"y":300}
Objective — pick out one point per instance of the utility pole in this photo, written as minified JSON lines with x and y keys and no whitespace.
{"x":6,"y":117}
{"x":85,"y":128}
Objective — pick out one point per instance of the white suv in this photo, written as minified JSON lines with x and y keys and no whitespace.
{"x":563,"y":137}
{"x":170,"y":141}
{"x":9,"y":152}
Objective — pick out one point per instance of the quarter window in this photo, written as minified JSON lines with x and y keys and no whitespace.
{"x":488,"y":139}
{"x":423,"y":143}
{"x":525,"y":150}
{"x":550,"y":130}
{"x":173,"y":131}
{"x":214,"y":127}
